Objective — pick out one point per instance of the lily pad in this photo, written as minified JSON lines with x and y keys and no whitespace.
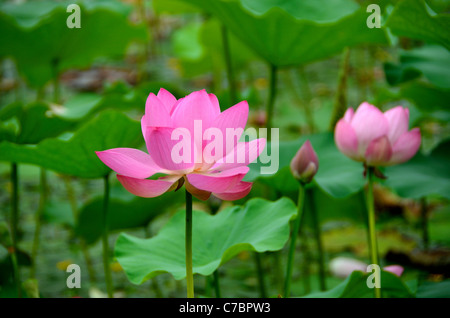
{"x":259,"y":225}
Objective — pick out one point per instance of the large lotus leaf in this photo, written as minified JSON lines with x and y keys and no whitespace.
{"x":434,"y":289}
{"x":430,"y":100}
{"x":173,"y":7}
{"x":351,"y":208}
{"x":47,"y":44}
{"x":122,"y":214}
{"x":199,"y":47}
{"x":422,"y":175}
{"x":433,"y":61}
{"x":27,"y":16}
{"x":259,"y":225}
{"x":35,"y":122}
{"x":76,"y":156}
{"x":355,"y":286}
{"x":293,"y":32}
{"x":338,"y":175}
{"x":413,"y":18}
{"x":117,"y":96}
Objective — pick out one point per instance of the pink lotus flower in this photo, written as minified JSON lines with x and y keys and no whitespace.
{"x":304,"y":165}
{"x":195,"y":118}
{"x":377,"y":138}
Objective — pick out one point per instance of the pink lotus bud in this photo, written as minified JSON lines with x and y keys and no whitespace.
{"x":395,"y":269}
{"x":304,"y":165}
{"x":377,"y":138}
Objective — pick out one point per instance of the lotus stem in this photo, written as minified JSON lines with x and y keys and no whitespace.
{"x":106,"y":267}
{"x":371,"y":218}
{"x":56,"y":84}
{"x":340,"y":102}
{"x":260,"y":272}
{"x":271,"y":99}
{"x":188,"y":238}
{"x":424,"y":217}
{"x":40,"y":211}
{"x":294,"y":234}
{"x":84,"y":249}
{"x":229,"y":65}
{"x":14,"y":226}
{"x":318,"y":237}
{"x":307,"y":97}
{"x":217,"y":284}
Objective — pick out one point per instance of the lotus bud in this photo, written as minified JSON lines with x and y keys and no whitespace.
{"x":305,"y":164}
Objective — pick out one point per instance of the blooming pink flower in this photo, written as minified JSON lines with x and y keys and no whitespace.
{"x":219,"y":172}
{"x":377,"y":138}
{"x":304,"y":165}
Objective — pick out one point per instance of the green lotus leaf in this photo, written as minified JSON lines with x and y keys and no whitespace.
{"x":355,"y":286}
{"x":433,"y":61}
{"x":259,"y":225}
{"x":76,"y":156}
{"x":415,"y":19}
{"x":132,"y":212}
{"x":42,"y":45}
{"x":338,"y":175}
{"x":423,"y":175}
{"x":286,"y":33}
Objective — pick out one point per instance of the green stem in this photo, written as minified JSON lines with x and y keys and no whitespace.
{"x":318,"y":237}
{"x":294,"y":234}
{"x":305,"y":272}
{"x":260,"y":272}
{"x":84,"y":249}
{"x":371,"y":219}
{"x":424,"y":217}
{"x":208,"y":285}
{"x":14,"y":226}
{"x":188,"y":238}
{"x":56,"y":86}
{"x":40,"y":94}
{"x":307,"y":97}
{"x":340,"y":101}
{"x":217,"y":284}
{"x":156,"y":288}
{"x":229,"y":65}
{"x":278,"y":271}
{"x":271,"y":99}
{"x":106,"y":267}
{"x":39,"y":213}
